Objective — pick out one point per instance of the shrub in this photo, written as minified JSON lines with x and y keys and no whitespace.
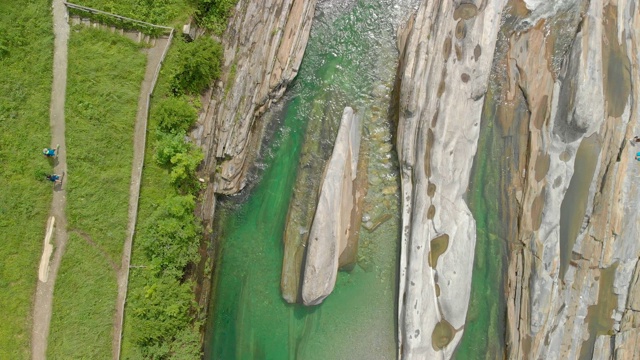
{"x":171,"y":236}
{"x":213,"y":14}
{"x":184,"y":168}
{"x":183,"y":159}
{"x":197,"y":66}
{"x":169,"y":145}
{"x":186,"y":345}
{"x":175,"y":115}
{"x":162,"y":311}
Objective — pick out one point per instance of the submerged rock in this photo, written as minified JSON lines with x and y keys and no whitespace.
{"x":332,"y":222}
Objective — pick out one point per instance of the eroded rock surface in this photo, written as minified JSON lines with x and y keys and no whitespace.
{"x":571,"y":282}
{"x":263,"y":48}
{"x":446,"y":55}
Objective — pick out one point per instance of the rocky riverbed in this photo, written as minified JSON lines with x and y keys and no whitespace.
{"x":563,"y":82}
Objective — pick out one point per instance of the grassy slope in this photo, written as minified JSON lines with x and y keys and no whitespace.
{"x":26,"y":51}
{"x":105,"y":73}
{"x":155,"y":187}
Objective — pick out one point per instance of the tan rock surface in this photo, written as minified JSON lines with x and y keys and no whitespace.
{"x":587,"y":310}
{"x":263,"y":48}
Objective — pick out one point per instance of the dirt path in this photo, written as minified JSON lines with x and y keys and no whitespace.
{"x":154,"y":58}
{"x":44,"y":290}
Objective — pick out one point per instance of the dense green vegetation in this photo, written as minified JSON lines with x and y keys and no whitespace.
{"x":213,"y":14}
{"x":197,"y":65}
{"x":158,"y":12}
{"x":160,"y":307}
{"x":26,"y":49}
{"x":101,"y":105}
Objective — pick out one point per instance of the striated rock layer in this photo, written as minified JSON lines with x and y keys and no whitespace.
{"x":263,"y":48}
{"x":573,"y":275}
{"x":446,"y":54}
{"x":332,"y":223}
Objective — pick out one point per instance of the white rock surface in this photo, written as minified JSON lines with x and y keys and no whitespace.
{"x":444,"y":75}
{"x":330,"y":229}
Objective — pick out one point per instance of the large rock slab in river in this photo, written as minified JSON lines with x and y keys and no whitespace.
{"x":330,"y":230}
{"x":447,"y":52}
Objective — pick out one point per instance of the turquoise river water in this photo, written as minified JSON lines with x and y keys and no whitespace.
{"x":351,"y":60}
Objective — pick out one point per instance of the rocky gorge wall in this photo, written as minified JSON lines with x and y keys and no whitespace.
{"x":572,"y":278}
{"x":571,"y":282}
{"x":263,"y":47}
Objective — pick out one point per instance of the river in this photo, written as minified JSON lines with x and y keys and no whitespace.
{"x":351,"y":60}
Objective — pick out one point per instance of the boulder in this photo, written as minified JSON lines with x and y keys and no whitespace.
{"x":331,"y":227}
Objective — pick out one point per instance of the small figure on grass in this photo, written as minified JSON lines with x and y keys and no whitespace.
{"x":51,"y":152}
{"x":54,"y":178}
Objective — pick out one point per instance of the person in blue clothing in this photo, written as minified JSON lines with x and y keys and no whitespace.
{"x":54,"y":178}
{"x":51,"y":152}
{"x":638,"y":156}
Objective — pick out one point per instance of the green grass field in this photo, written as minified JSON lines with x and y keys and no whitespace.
{"x":104,"y":78}
{"x":26,"y":53}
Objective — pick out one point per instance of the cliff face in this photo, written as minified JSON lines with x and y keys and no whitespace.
{"x":572,"y":280}
{"x":446,"y":55}
{"x":263,"y":48}
{"x":573,"y":274}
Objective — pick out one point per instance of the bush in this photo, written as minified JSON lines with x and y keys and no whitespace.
{"x":184,"y":168}
{"x":171,"y":236}
{"x":197,"y":66}
{"x":186,"y":345}
{"x":169,"y":145}
{"x":182,"y":158}
{"x":162,"y":311}
{"x":213,"y":14}
{"x":175,"y":115}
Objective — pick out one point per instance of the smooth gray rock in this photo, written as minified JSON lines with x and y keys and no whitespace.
{"x":330,"y":229}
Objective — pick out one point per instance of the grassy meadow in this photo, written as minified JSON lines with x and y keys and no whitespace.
{"x":26,"y":59}
{"x":103,"y":85}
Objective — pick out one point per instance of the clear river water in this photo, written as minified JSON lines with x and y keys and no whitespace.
{"x":351,"y":60}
